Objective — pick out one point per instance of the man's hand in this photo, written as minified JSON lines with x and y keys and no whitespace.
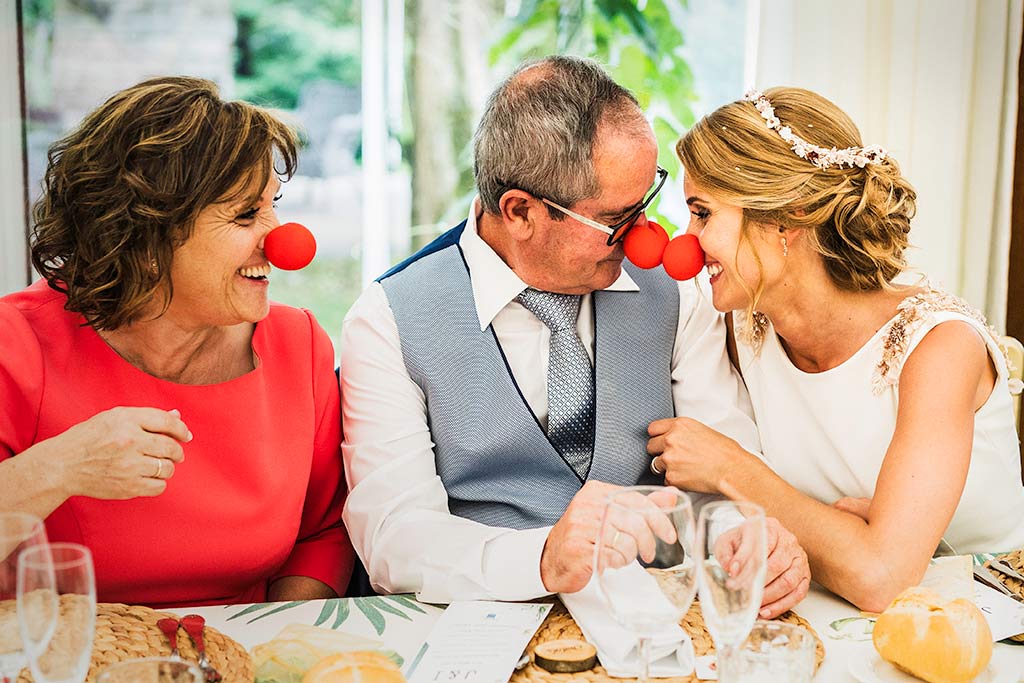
{"x":787,"y":575}
{"x":567,"y":562}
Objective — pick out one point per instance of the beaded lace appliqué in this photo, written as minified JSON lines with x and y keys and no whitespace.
{"x":753,"y":335}
{"x":914,"y":311}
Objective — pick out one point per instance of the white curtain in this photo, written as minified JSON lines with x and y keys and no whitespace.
{"x":13,"y":271}
{"x":935,"y":82}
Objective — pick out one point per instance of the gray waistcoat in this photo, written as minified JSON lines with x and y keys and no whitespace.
{"x":494,"y":459}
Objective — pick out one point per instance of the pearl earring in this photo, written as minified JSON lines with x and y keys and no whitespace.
{"x":785,"y":247}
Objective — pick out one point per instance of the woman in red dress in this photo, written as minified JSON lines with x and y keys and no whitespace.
{"x":154,"y":405}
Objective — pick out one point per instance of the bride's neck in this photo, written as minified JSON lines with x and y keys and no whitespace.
{"x":821,"y":325}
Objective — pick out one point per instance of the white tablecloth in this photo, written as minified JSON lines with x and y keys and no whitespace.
{"x":404,"y":624}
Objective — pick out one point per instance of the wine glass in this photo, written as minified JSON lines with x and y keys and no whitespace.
{"x":151,"y":670}
{"x":733,"y":557}
{"x":18,"y":531}
{"x":57,"y":611}
{"x":652,"y":528}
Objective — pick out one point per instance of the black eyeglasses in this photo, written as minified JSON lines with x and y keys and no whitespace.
{"x":616,"y":233}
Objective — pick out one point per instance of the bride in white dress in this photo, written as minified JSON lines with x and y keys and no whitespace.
{"x":884,"y":410}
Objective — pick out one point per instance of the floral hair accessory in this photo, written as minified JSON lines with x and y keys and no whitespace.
{"x":819,"y":156}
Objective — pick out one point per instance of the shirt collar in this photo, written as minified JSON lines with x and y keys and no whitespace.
{"x":497,"y":284}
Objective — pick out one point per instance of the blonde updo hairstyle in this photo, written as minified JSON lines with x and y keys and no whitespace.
{"x":858,"y":219}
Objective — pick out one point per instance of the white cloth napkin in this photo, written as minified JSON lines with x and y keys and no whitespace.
{"x":671,"y":649}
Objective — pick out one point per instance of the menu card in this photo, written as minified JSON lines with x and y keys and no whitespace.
{"x":952,"y":578}
{"x":476,"y":642}
{"x":1005,"y":616}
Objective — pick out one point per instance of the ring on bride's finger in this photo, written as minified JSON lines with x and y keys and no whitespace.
{"x":615,"y":538}
{"x":159,"y":469}
{"x":654,"y":467}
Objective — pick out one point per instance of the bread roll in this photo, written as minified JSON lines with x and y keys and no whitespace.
{"x":354,"y":667}
{"x":938,"y":640}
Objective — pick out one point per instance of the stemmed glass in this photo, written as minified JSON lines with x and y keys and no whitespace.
{"x":652,"y":526}
{"x":57,"y":611}
{"x":733,"y":557}
{"x":18,"y":531}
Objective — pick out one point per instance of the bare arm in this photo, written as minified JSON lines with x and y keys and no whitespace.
{"x":867,"y":561}
{"x":116,"y":454}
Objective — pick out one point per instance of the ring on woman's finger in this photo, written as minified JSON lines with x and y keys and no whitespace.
{"x":159,"y":469}
{"x":654,"y":467}
{"x":615,"y":539}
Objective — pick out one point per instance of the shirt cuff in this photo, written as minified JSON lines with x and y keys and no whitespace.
{"x":513,"y":559}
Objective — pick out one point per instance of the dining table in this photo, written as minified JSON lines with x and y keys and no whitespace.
{"x":402,"y":623}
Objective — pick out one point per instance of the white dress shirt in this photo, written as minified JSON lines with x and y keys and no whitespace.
{"x":397,"y":509}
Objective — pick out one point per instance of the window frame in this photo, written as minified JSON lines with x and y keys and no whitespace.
{"x":14,"y":263}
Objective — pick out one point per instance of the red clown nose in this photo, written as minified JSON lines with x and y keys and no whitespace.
{"x":290,"y":246}
{"x":647,"y":246}
{"x":683,"y":257}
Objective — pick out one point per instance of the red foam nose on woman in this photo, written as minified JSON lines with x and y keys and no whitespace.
{"x":648,"y":246}
{"x":290,"y":246}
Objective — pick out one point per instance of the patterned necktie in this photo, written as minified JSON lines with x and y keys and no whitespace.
{"x":570,"y":378}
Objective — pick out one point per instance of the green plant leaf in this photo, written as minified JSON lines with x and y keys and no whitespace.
{"x":328,"y":609}
{"x":371,"y":613}
{"x":390,"y":609}
{"x":344,"y":609}
{"x":248,"y":610}
{"x":405,"y":602}
{"x":279,"y":608}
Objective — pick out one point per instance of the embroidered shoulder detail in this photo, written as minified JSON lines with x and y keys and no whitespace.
{"x":914,"y":311}
{"x":752,"y":331}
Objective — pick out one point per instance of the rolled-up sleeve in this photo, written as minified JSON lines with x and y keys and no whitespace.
{"x":21,"y":382}
{"x":323,"y":551}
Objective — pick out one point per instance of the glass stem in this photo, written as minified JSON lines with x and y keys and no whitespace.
{"x":644,"y":651}
{"x":724,"y":659}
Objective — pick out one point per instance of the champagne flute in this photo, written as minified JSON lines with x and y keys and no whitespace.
{"x":733,"y":560}
{"x":653,"y":527}
{"x":151,"y":670}
{"x":57,"y":611}
{"x":18,"y":531}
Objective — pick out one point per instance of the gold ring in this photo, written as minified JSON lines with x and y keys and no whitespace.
{"x":615,"y":538}
{"x":654,"y":467}
{"x":159,"y":469}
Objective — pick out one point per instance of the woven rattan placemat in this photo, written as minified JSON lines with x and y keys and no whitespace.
{"x":1016,"y":561}
{"x":559,"y":624}
{"x":130,"y":631}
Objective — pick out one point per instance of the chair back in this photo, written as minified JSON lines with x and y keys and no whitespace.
{"x":1015,"y":352}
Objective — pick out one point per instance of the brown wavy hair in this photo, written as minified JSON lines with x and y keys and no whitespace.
{"x":122,"y":191}
{"x":857,"y":219}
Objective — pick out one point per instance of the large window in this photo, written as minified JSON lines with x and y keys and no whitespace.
{"x":386,"y":93}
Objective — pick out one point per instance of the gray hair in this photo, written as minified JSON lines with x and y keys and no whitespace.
{"x":538,"y":129}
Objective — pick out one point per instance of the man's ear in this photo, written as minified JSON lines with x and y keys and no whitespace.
{"x":517,"y":213}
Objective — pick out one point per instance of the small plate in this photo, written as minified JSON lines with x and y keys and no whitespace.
{"x":874,"y":669}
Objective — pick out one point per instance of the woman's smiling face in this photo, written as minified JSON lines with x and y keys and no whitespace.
{"x":729,"y":258}
{"x":220,"y":274}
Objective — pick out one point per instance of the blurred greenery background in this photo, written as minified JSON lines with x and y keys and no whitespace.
{"x":679,"y":57}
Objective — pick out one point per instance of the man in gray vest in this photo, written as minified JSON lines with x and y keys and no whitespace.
{"x":498,"y":384}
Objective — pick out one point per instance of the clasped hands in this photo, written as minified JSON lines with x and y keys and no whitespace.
{"x":567,"y":560}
